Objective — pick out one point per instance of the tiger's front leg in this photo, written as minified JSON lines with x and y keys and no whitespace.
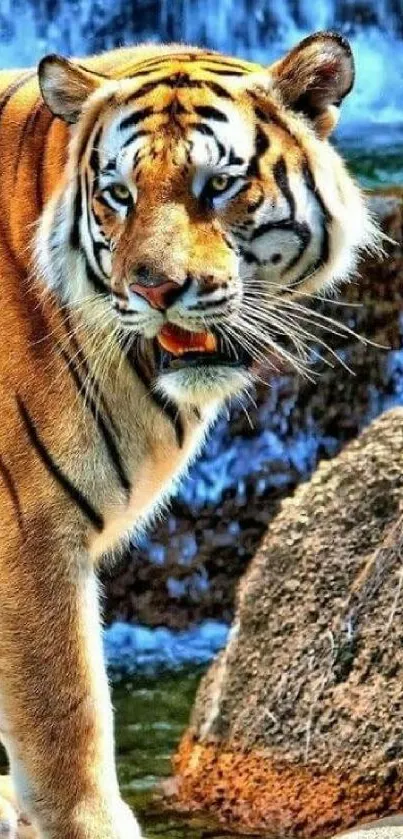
{"x":55,"y":711}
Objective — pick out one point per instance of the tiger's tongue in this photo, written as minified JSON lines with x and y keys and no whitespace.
{"x":178,"y":341}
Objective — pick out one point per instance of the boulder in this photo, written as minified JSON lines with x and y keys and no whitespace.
{"x":297,"y":730}
{"x":188,"y":568}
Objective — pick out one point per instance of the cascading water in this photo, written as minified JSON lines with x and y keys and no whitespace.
{"x":258,"y":28}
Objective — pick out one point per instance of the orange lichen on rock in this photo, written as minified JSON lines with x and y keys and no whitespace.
{"x":252,"y":791}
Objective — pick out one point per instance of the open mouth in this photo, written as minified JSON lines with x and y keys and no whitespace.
{"x":180,"y":348}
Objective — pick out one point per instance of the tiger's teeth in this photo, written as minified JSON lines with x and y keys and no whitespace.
{"x":178,"y":341}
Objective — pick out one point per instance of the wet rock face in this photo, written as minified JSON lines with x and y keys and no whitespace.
{"x":188,"y":568}
{"x":297,"y":728}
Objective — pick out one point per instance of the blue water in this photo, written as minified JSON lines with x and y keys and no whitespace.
{"x":139,"y":650}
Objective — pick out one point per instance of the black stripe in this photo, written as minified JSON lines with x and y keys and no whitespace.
{"x":176,"y":82}
{"x":253,"y":207}
{"x":260,"y":114}
{"x":140,"y":73}
{"x":12,"y":490}
{"x":94,"y":156}
{"x":153,"y":64}
{"x":93,"y":72}
{"x":99,"y":285}
{"x":94,"y":278}
{"x":165,"y":405}
{"x":300,"y":229}
{"x":171,"y":411}
{"x":234,"y":159}
{"x":219,"y":90}
{"x":231,"y":245}
{"x":135,"y":118}
{"x":207,"y":131}
{"x":97,"y":245}
{"x":271,"y":116}
{"x":261,"y":145}
{"x":135,"y":136}
{"x":303,"y":231}
{"x":165,"y":81}
{"x":103,"y":201}
{"x":311,"y":185}
{"x":249,"y":257}
{"x":103,"y":429}
{"x":97,"y":248}
{"x":109,"y":167}
{"x":75,"y":230}
{"x":281,"y":178}
{"x":69,"y":488}
{"x":209,"y":112}
{"x":224,"y":72}
{"x":222,"y":61}
{"x":202,"y":128}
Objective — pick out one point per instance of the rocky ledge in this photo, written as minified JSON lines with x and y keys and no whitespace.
{"x":297,"y":727}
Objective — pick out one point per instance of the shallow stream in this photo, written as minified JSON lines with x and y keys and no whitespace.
{"x":151,"y":715}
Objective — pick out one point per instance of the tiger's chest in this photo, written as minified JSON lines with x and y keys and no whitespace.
{"x":156,"y":474}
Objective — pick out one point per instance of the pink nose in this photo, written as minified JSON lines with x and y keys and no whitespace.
{"x":160,"y":295}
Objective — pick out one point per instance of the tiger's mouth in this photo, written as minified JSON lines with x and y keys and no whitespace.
{"x":179,"y":348}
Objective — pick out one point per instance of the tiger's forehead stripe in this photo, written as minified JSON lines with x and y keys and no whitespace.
{"x":206,"y":61}
{"x":177,"y":81}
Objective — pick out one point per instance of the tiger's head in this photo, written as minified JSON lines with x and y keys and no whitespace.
{"x":201,"y":200}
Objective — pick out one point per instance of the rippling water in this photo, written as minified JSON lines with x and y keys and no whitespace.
{"x":151,"y":715}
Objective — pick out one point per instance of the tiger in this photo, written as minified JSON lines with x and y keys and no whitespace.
{"x":161,"y":209}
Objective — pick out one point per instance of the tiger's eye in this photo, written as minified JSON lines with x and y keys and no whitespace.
{"x":119,"y":192}
{"x":219,"y":183}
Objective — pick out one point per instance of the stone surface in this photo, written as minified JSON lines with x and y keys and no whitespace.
{"x":188,"y":569}
{"x":297,"y":728}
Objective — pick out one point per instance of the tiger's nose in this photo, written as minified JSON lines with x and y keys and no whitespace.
{"x":159,"y":292}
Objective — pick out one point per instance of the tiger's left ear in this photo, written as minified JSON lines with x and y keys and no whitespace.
{"x":314,"y":78}
{"x":65,"y":86}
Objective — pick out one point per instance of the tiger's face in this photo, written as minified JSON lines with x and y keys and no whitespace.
{"x":202,"y":199}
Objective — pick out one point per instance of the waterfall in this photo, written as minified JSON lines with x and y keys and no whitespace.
{"x":261,"y":29}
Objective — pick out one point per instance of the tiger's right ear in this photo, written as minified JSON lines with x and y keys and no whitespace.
{"x":65,"y":86}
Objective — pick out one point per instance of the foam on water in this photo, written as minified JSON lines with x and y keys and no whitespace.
{"x":139,"y":649}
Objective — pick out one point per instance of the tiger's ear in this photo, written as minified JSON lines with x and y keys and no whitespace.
{"x":65,"y":86}
{"x":314,"y":78}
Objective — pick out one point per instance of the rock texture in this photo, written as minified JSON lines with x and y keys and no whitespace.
{"x":297,"y":728}
{"x":188,"y":569}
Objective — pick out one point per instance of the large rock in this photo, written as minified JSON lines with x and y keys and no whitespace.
{"x":189,"y":567}
{"x":297,"y":729}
